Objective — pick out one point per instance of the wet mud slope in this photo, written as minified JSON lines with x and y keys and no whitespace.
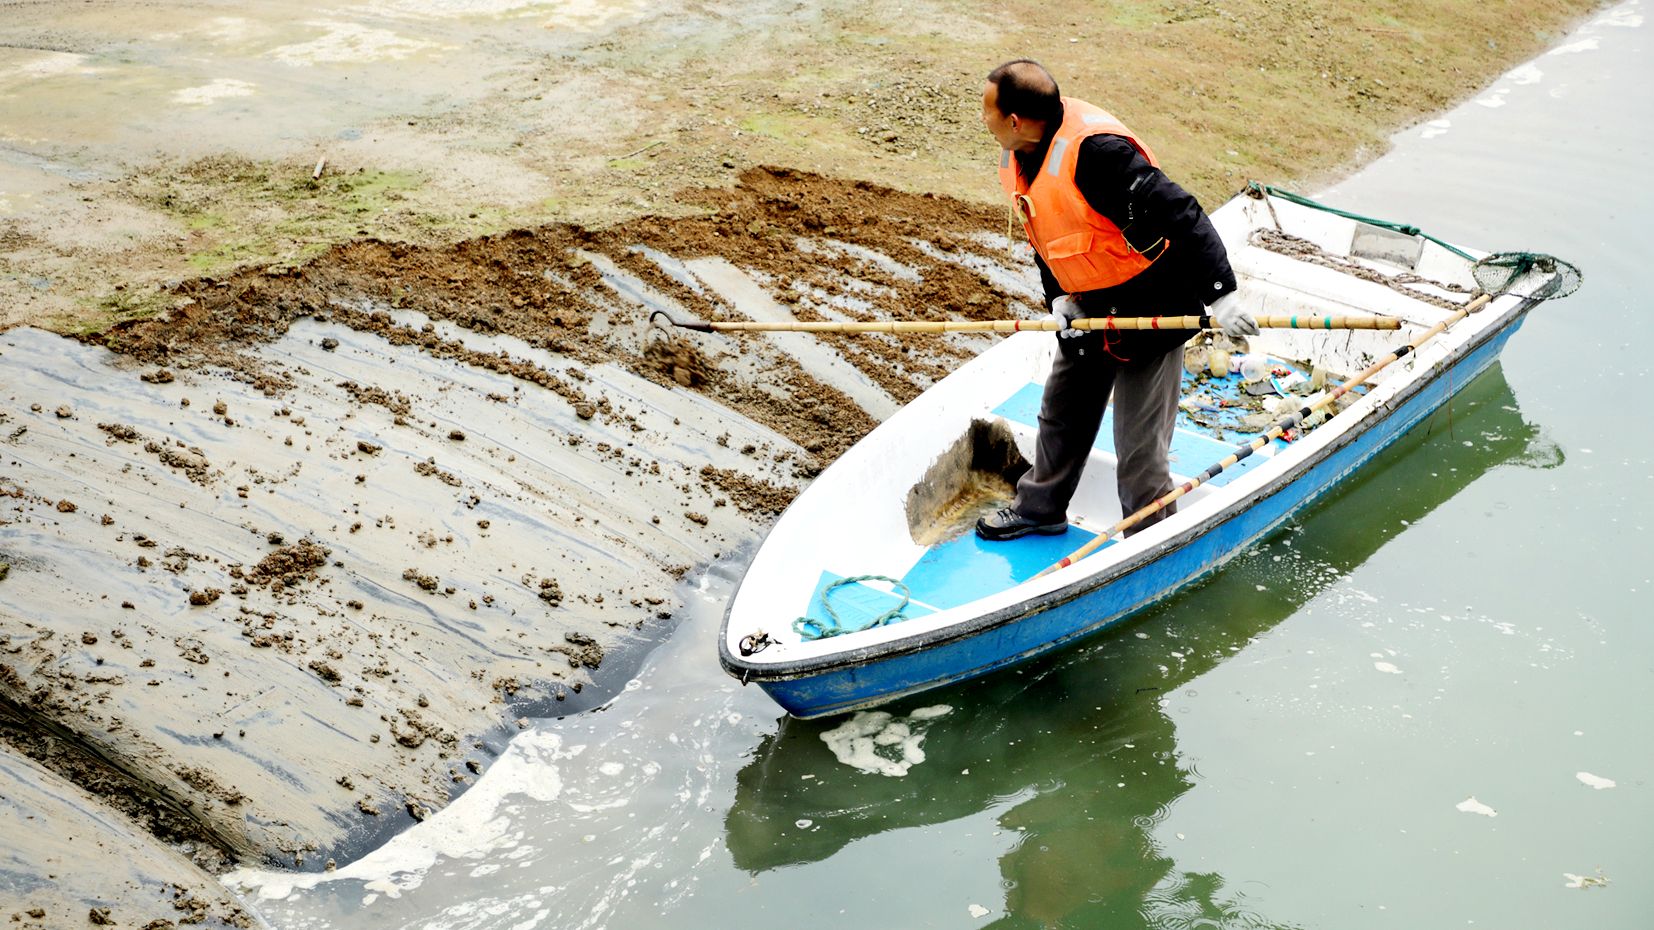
{"x":281,"y":565}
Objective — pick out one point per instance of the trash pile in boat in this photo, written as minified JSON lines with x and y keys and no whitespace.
{"x":1235,"y":393}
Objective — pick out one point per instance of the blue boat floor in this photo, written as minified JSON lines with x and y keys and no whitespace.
{"x":967,"y":568}
{"x":949,"y":574}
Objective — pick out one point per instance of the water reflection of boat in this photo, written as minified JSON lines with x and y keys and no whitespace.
{"x":852,"y":555}
{"x":1050,"y":746}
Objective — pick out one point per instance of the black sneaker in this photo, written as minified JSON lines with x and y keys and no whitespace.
{"x":1006,"y":523}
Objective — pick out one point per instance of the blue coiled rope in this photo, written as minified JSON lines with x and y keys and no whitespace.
{"x":809,"y":628}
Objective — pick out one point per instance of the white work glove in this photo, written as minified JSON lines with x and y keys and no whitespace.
{"x":1064,"y":311}
{"x":1231,"y":317}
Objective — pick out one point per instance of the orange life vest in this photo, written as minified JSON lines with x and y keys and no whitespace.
{"x":1083,"y":249}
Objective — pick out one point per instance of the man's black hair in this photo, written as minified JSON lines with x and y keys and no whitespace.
{"x":1027,"y":90}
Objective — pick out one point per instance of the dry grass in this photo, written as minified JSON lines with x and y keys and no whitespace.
{"x":1290,"y":92}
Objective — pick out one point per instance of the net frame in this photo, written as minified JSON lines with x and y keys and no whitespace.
{"x":1533,"y":274}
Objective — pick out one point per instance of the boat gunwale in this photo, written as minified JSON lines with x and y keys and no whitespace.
{"x":978,"y":624}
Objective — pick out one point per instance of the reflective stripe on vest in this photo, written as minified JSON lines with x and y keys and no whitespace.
{"x":1084,"y":249}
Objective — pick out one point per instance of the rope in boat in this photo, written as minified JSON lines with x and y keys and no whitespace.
{"x":1257,"y":189}
{"x":1304,"y":250}
{"x":809,"y":628}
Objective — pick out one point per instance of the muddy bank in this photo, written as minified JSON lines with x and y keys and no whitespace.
{"x":287,"y":562}
{"x":86,"y":865}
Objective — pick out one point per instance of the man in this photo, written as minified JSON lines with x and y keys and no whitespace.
{"x":1112,"y":235}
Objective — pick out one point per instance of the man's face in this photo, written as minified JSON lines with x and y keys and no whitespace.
{"x":1004,"y":128}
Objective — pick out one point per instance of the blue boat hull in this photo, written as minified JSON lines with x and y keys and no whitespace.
{"x":859,"y":679}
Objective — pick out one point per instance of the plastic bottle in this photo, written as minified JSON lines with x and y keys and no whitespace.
{"x":1218,"y":360}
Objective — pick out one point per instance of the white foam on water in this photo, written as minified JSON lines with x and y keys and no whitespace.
{"x":470,"y":828}
{"x":879,"y":743}
{"x":1472,"y":806}
{"x":1594,"y":781}
{"x":1582,"y":45}
{"x":978,"y":911}
{"x":1387,"y":668}
{"x":1527,"y":74}
{"x":207,"y":94}
{"x":1626,"y":16}
{"x":1435,"y":127}
{"x":609,"y":805}
{"x":351,"y":43}
{"x":1494,"y":100}
{"x":932,"y":712}
{"x":1584,"y":881}
{"x":630,"y":809}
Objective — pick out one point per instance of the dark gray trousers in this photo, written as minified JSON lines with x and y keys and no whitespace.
{"x":1145,"y":409}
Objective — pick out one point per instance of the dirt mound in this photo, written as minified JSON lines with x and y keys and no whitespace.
{"x":677,"y":358}
{"x":289,"y":566}
{"x":825,"y":248}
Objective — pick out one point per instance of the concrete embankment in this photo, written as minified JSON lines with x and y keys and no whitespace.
{"x":286,"y":566}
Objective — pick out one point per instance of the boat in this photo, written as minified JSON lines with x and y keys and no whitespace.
{"x":871,"y":586}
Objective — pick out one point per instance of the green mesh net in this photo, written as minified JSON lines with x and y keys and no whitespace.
{"x":1530,"y":274}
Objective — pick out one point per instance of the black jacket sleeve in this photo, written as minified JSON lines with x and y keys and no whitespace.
{"x":1053,"y":290}
{"x":1119,"y":183}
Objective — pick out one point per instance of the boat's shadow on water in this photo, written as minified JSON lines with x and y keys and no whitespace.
{"x":1077,"y":751}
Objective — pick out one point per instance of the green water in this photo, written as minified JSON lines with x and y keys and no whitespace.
{"x":1395,"y":713}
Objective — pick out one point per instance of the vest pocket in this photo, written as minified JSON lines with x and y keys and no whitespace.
{"x":1069,"y":246}
{"x":1085,"y":261}
{"x":1072,"y":262}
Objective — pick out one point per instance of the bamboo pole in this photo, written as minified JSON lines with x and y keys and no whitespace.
{"x":1285,"y":424}
{"x":909,"y":327}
